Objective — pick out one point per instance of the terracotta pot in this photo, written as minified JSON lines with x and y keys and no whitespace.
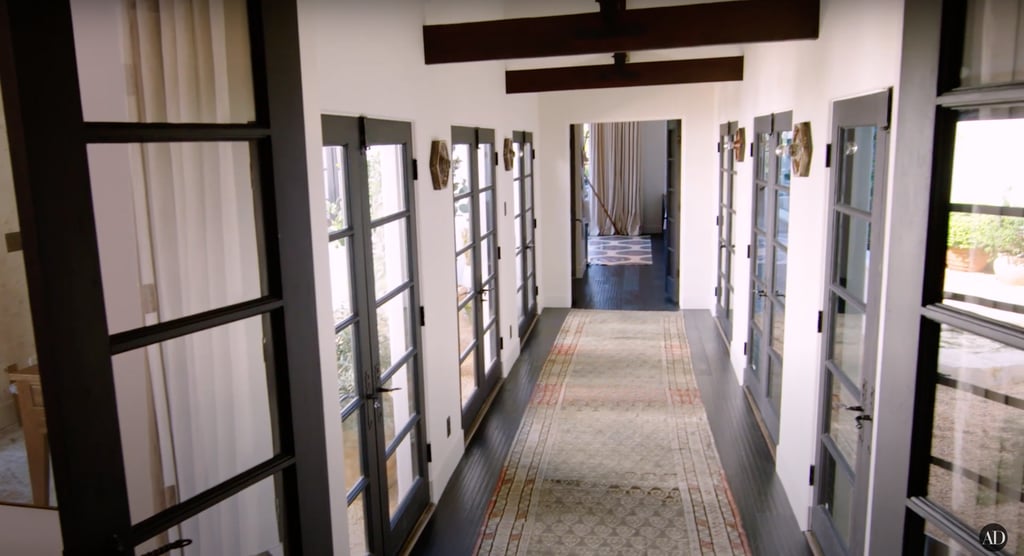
{"x":1009,"y":269}
{"x":966,"y":259}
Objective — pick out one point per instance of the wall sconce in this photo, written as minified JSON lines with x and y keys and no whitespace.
{"x":801,"y":149}
{"x":739,"y":140}
{"x":440,"y":163}
{"x":508,"y":154}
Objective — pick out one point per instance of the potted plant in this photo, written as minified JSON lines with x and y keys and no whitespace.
{"x":1008,"y":243}
{"x":968,"y":242}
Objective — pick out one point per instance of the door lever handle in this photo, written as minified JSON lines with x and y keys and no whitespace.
{"x":382,"y":389}
{"x":861,"y":419}
{"x":853,"y":408}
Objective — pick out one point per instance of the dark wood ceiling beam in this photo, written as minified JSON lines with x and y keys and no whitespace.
{"x":704,"y":70}
{"x":736,"y":22}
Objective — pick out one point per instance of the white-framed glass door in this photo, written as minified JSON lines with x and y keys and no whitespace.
{"x":860,"y":140}
{"x":525,"y":219}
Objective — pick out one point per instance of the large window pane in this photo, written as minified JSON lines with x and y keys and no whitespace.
{"x":177,"y":229}
{"x":977,"y":470}
{"x":985,"y":245}
{"x":155,"y":62}
{"x":993,"y":42}
{"x":194,"y":411}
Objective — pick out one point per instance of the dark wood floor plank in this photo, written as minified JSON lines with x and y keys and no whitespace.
{"x":625,"y":287}
{"x":459,"y":515}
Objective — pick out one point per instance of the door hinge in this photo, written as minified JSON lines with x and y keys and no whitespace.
{"x":415,"y":169}
{"x":719,"y":145}
{"x":495,"y":158}
{"x":821,"y":316}
{"x":810,"y":477}
{"x":362,"y":135}
{"x":533,"y":154}
{"x":828,"y":155}
{"x":718,"y":221}
{"x":748,"y":250}
{"x":499,"y":253}
{"x":751,"y":149}
{"x":501,"y":344}
{"x":423,"y":316}
{"x":744,"y":348}
{"x":430,"y":457}
{"x":534,"y":223}
{"x":716,"y":291}
{"x":536,"y":290}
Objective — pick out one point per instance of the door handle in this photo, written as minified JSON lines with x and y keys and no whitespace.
{"x":853,"y":408}
{"x":860,"y":419}
{"x":380,"y":389}
{"x":761,"y":293}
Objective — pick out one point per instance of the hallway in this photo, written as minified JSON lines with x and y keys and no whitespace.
{"x":769,"y":525}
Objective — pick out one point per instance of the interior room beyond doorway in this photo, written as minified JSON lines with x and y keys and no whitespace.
{"x":625,"y":178}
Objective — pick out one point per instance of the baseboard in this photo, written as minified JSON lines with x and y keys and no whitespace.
{"x":760,"y":421}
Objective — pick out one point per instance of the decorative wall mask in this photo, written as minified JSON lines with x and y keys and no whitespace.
{"x":739,"y":140}
{"x":801,"y":149}
{"x":440,"y":163}
{"x":508,"y":154}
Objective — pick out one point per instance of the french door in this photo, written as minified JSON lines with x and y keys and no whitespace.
{"x":476,"y":267}
{"x":860,"y":140}
{"x":672,"y":252}
{"x":169,"y":264}
{"x":525,"y":227}
{"x":724,"y":290}
{"x":768,"y":255}
{"x":374,"y":291}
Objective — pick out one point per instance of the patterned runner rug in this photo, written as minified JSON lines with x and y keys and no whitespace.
{"x":614,"y":454}
{"x":616,"y":250}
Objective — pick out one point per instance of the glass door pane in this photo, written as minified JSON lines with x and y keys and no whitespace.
{"x":726,"y":248}
{"x":526,"y":280}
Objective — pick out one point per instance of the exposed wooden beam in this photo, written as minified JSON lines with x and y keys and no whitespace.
{"x":741,"y":21}
{"x":704,"y":70}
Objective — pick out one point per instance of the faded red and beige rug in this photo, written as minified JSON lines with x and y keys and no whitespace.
{"x":614,"y":454}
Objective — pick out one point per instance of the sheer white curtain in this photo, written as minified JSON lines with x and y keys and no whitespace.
{"x":616,"y":187}
{"x":188,"y":61}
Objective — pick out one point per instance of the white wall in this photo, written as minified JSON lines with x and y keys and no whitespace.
{"x":858,"y":53}
{"x":364,"y":58}
{"x":693,"y":104}
{"x":653,"y":178}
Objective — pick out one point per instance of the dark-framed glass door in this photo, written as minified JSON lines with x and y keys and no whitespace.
{"x":965,"y":475}
{"x":476,"y":267}
{"x":219,"y":310}
{"x":860,"y":143}
{"x":525,"y":227}
{"x":673,"y":168}
{"x":724,"y":290}
{"x":375,"y":296}
{"x":768,"y":265}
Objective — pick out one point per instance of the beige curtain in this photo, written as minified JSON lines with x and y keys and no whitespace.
{"x":616,"y":184}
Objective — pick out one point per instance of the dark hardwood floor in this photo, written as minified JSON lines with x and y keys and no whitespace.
{"x":459,"y":515}
{"x":625,"y":287}
{"x":764,"y":510}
